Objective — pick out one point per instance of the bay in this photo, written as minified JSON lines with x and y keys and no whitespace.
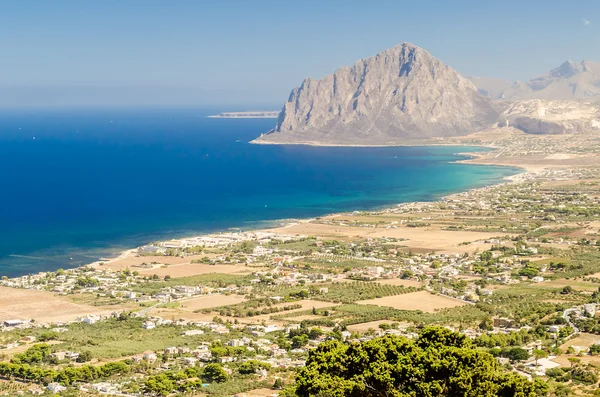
{"x":80,"y":184}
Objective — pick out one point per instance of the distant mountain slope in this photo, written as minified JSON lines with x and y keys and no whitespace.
{"x":539,"y":116}
{"x":490,"y":86}
{"x":568,"y":81}
{"x":400,"y":94}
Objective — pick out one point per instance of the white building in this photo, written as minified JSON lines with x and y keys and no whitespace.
{"x":148,"y":325}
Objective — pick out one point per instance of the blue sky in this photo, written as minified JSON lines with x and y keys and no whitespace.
{"x":254,"y":52}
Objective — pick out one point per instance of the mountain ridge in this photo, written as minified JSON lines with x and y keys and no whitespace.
{"x":568,"y":81}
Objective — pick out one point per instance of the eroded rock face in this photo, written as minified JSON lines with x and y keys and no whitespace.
{"x":537,"y":116}
{"x":400,"y":94}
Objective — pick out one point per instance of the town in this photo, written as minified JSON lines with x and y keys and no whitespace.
{"x":512,"y":266}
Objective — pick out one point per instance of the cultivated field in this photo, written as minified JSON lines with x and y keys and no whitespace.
{"x":185,"y":308}
{"x":429,"y":238}
{"x":24,"y":304}
{"x":307,"y":304}
{"x":575,"y":284}
{"x":208,"y":301}
{"x":421,"y":300}
{"x":399,"y":281}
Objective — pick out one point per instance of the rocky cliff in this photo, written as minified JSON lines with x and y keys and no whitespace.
{"x":399,"y":95}
{"x":537,"y":116}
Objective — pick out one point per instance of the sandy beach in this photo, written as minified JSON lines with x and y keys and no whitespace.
{"x":426,"y":239}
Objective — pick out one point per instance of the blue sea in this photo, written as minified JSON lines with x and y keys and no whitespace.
{"x":77,"y":185}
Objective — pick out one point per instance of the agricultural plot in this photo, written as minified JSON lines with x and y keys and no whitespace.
{"x":42,"y":306}
{"x":399,"y":281}
{"x":210,"y":301}
{"x":262,"y":309}
{"x":114,"y":338}
{"x":352,"y":314}
{"x":529,"y":303}
{"x":578,"y":285}
{"x":583,"y":340}
{"x":360,"y":290}
{"x":422,"y":300}
{"x":209,"y":279}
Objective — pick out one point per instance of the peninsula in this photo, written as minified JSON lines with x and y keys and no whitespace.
{"x":267,"y":114}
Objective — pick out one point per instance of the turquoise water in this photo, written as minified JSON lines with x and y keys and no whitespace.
{"x":81,"y":184}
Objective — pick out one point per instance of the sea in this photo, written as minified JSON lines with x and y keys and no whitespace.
{"x":80,"y":184}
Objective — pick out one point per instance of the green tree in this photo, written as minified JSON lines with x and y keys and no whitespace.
{"x":518,"y":354}
{"x":537,"y":353}
{"x":34,"y":355}
{"x":315,"y":332}
{"x":278,"y":385}
{"x":161,"y":385}
{"x":215,"y":373}
{"x":84,"y":356}
{"x":439,"y":363}
{"x":299,"y":341}
{"x":595,"y":349}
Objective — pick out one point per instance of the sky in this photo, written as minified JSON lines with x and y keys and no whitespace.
{"x":250,"y":54}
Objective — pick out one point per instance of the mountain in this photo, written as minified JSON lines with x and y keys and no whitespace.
{"x":398,"y":95}
{"x":568,"y":81}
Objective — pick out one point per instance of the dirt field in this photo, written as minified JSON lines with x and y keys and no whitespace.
{"x":23,"y":304}
{"x":259,"y":393}
{"x":563,"y":360}
{"x":131,"y":261}
{"x":583,"y":340}
{"x":421,"y":300}
{"x":176,"y":266}
{"x":429,"y":238}
{"x":208,"y":301}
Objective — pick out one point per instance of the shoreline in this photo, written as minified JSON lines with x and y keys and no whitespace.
{"x":515,"y":178}
{"x":281,"y":224}
{"x":403,"y":144}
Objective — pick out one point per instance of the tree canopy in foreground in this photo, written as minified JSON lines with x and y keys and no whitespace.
{"x":439,"y":363}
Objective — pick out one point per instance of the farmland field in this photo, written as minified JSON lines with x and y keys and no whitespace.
{"x":421,"y":300}
{"x":25,"y":304}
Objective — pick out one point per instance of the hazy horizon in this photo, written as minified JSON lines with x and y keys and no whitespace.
{"x":233,"y":52}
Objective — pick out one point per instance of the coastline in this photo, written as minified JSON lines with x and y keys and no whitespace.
{"x":240,"y":117}
{"x":281,"y":225}
{"x":403,"y":144}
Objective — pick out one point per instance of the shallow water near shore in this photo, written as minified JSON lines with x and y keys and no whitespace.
{"x":82,"y":184}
